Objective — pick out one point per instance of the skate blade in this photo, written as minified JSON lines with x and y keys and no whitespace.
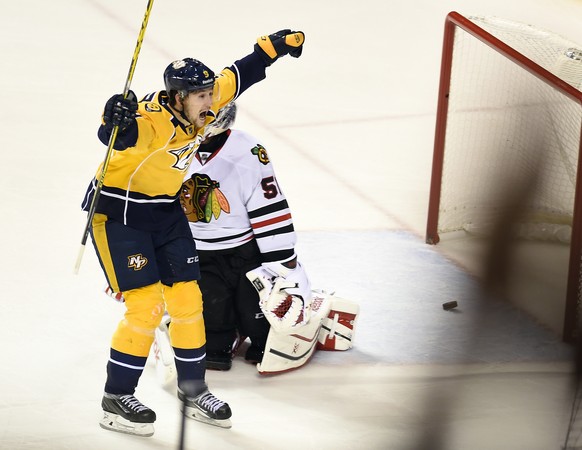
{"x":114,"y":422}
{"x":192,"y":413}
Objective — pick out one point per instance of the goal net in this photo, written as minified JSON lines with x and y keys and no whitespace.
{"x":509,"y":111}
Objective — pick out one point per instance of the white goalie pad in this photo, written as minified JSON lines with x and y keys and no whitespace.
{"x":338,"y":327}
{"x":284,"y":351}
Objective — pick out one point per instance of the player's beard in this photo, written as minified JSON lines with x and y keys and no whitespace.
{"x":197,"y":120}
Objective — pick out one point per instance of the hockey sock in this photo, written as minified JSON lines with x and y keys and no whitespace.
{"x":190,"y":363}
{"x":123,"y":372}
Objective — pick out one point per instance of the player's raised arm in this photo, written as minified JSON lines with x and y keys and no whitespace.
{"x":251,"y":69}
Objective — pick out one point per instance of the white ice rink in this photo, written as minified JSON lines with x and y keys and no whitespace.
{"x":349,"y":127}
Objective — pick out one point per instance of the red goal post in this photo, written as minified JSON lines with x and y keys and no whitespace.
{"x":509,"y":99}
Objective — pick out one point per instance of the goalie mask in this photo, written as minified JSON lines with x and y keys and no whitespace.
{"x":224,"y":120}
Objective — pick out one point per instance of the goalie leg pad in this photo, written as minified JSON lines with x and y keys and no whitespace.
{"x":284,"y":351}
{"x":337,"y":329}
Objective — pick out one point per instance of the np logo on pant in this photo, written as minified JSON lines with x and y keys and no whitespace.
{"x":136,"y":262}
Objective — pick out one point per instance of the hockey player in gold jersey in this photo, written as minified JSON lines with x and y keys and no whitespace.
{"x":142,"y":237}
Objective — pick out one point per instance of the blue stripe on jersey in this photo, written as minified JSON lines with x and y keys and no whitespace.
{"x":139,"y":210}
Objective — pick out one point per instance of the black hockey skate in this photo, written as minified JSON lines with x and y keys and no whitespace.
{"x":218,"y":360}
{"x":126,"y":414}
{"x":221,"y":359}
{"x":206,"y":408}
{"x":254,"y":354}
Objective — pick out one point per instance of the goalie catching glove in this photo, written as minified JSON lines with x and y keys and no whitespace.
{"x":280,"y":43}
{"x":284,"y":295}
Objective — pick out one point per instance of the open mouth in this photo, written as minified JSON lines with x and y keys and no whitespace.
{"x":202,"y":115}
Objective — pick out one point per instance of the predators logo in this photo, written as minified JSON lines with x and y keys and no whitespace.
{"x":261,"y":152}
{"x":152,"y":107}
{"x":136,"y":262}
{"x":183,"y":156}
{"x":201,"y":199}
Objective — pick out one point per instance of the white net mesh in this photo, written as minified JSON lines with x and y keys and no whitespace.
{"x":502,"y":121}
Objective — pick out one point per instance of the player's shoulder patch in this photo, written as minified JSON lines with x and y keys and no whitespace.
{"x":152,"y":107}
{"x":260,"y":152}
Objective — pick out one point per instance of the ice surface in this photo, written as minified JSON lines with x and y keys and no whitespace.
{"x":349,"y":127}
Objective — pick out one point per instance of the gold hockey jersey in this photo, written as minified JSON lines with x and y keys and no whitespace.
{"x":142,"y":183}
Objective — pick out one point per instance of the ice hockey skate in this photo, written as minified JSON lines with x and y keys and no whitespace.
{"x":126,"y":414}
{"x":222,"y":359}
{"x":205,"y":407}
{"x":218,"y":361}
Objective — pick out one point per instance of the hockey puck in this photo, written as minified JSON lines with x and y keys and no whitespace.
{"x":449,"y":305}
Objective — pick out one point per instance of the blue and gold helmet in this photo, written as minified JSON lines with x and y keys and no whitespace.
{"x":187,"y":75}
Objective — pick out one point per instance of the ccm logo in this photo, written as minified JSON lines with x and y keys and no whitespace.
{"x":192,"y":259}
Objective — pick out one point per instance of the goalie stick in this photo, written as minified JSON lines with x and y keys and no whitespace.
{"x":112,"y":138}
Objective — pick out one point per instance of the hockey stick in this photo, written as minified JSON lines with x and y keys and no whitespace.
{"x":182,"y":426}
{"x":112,"y":138}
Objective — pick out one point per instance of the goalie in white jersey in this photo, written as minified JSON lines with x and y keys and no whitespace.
{"x":244,"y":233}
{"x":239,"y":219}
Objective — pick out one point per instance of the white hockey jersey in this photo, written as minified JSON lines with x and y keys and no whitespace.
{"x":231,"y":196}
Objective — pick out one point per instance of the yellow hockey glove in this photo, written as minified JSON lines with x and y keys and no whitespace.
{"x":278,"y":44}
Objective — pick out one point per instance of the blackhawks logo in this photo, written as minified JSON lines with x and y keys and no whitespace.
{"x":261,"y":152}
{"x":201,"y":198}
